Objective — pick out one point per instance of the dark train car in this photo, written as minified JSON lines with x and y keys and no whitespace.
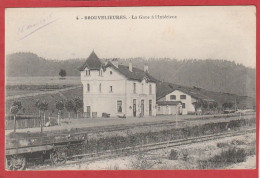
{"x":21,"y":147}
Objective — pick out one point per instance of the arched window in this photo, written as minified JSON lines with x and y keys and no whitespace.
{"x":134,"y":89}
{"x":88,"y":87}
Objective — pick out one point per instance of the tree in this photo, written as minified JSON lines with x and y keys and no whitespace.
{"x":204,"y":104}
{"x":42,"y":106}
{"x":211,"y":105}
{"x":198,"y":104}
{"x":63,"y":73}
{"x":37,"y":105}
{"x":215,"y":104}
{"x":70,"y":106}
{"x":59,"y":107}
{"x":78,"y":105}
{"x":227,"y":105}
{"x":16,"y":106}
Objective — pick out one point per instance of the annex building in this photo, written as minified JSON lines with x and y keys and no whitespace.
{"x":180,"y":101}
{"x":117,"y":90}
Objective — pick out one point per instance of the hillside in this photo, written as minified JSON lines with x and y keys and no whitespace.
{"x":213,"y":75}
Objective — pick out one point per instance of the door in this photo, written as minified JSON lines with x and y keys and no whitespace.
{"x":142,"y":108}
{"x":150,"y":107}
{"x":88,"y":111}
{"x":134,"y":107}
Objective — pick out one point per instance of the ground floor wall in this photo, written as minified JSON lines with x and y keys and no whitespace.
{"x":119,"y":105}
{"x":167,"y":110}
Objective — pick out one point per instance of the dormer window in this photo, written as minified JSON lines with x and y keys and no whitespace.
{"x":111,"y":72}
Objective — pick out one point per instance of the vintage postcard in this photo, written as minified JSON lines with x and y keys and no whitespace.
{"x":130,"y":88}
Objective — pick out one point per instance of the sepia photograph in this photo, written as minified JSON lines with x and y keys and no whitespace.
{"x":130,"y":88}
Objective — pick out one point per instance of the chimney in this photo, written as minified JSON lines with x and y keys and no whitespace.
{"x":146,"y":68}
{"x":130,"y":66}
{"x":115,"y":62}
{"x":106,"y":61}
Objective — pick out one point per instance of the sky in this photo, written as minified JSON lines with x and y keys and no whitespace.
{"x":198,"y":32}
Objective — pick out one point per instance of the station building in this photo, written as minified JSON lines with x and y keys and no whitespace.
{"x":117,"y":90}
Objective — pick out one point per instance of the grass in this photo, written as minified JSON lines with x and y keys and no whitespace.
{"x":142,"y":162}
{"x":47,"y":80}
{"x":28,"y":103}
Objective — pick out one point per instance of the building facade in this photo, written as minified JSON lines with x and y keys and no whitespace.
{"x":187,"y":98}
{"x":117,"y":90}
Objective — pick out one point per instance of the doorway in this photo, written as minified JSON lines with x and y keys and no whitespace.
{"x":150,"y":107}
{"x":134,"y":107}
{"x":142,"y":108}
{"x":88,"y":111}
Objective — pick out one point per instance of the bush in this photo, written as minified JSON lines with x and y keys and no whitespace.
{"x":173,"y":155}
{"x":230,"y":156}
{"x":191,"y":113}
{"x":238,"y":142}
{"x":185,"y":155}
{"x":134,"y":139}
{"x":222,"y":145}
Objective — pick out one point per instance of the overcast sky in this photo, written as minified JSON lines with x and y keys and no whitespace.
{"x":197,"y":33}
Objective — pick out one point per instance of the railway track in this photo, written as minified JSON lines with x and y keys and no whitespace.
{"x":86,"y":158}
{"x":125,"y":127}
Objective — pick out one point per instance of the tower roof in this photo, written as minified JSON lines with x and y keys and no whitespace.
{"x":92,"y":62}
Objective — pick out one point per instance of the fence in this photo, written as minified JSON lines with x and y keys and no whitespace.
{"x":23,"y":122}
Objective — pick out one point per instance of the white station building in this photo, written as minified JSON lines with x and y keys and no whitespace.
{"x":117,"y":90}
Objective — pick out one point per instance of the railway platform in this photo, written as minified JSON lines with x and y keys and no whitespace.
{"x":68,"y":124}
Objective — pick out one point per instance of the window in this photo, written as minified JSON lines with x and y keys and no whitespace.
{"x":183,"y":105}
{"x":100,"y":89}
{"x":111,"y":88}
{"x":100,"y":72}
{"x":134,"y":89}
{"x":159,"y":108}
{"x":111,"y":72}
{"x":88,"y":87}
{"x":87,"y":72}
{"x":183,"y":97}
{"x":173,"y":97}
{"x":150,"y":89}
{"x":142,"y":88}
{"x":119,"y":106}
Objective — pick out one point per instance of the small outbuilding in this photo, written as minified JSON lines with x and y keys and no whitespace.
{"x":169,"y":107}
